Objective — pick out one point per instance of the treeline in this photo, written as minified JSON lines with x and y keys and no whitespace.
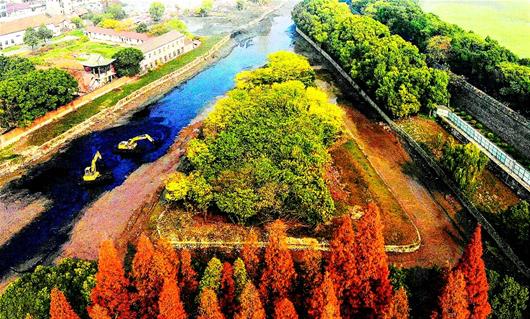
{"x":262,"y":151}
{"x":352,"y":280}
{"x":388,"y":67}
{"x":27,"y":93}
{"x":486,"y":63}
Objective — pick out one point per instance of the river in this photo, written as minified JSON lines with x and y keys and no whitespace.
{"x":58,"y":180}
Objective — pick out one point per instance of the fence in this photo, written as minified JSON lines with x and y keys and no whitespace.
{"x":503,"y":160}
{"x":505,"y":248}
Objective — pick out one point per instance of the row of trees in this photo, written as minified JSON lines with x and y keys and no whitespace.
{"x":26,"y":93}
{"x":484,"y":62}
{"x":263,"y":148}
{"x":389,"y":67}
{"x":34,"y":37}
{"x":350,"y":281}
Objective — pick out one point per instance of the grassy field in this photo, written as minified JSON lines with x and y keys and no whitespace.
{"x":507,"y":21}
{"x":56,"y":128}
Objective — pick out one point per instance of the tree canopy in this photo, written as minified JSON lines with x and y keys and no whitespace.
{"x":128,"y":61}
{"x":156,"y":11}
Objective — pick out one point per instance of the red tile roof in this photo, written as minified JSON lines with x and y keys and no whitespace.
{"x":29,"y":22}
{"x":124,"y":34}
{"x":155,"y":43}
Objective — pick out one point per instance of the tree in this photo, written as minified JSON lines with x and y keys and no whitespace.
{"x":188,"y":278}
{"x":156,"y":10}
{"x":284,"y":309}
{"x":375,"y":290}
{"x":116,"y":11}
{"x":509,"y":299}
{"x":464,"y":162}
{"x":78,"y":22}
{"x":44,"y":33}
{"x":452,"y":301}
{"x":59,"y":306}
{"x":323,"y":304}
{"x":142,"y":28}
{"x":14,"y":66}
{"x":240,"y":276}
{"x":516,"y":227}
{"x":127,"y":61}
{"x":250,"y":254}
{"x":170,"y":305}
{"x":399,"y":308}
{"x":166,"y":260}
{"x":472,"y":267}
{"x":227,"y":292}
{"x":250,"y":304}
{"x":205,"y":8}
{"x":146,"y":280}
{"x":310,"y":269}
{"x":31,"y":38}
{"x":211,"y":277}
{"x":279,"y":275}
{"x":98,"y":312}
{"x":109,"y":23}
{"x":240,"y":5}
{"x":111,"y":290}
{"x":209,"y":306}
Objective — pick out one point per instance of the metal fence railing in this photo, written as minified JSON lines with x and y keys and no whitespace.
{"x":511,"y":166}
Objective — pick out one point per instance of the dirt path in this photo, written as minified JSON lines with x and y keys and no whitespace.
{"x":440,"y":240}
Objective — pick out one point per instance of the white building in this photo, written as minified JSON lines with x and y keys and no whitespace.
{"x":12,"y":32}
{"x":164,"y":48}
{"x":121,"y":37}
{"x":3,"y":9}
{"x":68,"y":7}
{"x":12,"y":10}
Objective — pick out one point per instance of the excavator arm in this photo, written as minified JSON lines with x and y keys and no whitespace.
{"x":96,"y":158}
{"x":142,"y":137}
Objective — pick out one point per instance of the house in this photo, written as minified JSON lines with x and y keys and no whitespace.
{"x":15,"y":10}
{"x":164,"y":48}
{"x":98,"y":71}
{"x":12,"y":32}
{"x":110,"y":35}
{"x":3,"y":9}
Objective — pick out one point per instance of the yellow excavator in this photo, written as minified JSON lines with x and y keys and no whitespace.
{"x":91,"y":172}
{"x":131,"y":144}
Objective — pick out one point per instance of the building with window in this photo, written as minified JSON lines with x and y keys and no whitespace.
{"x":98,"y":71}
{"x":3,"y":9}
{"x":120,"y":37}
{"x":164,"y":48}
{"x":12,"y":32}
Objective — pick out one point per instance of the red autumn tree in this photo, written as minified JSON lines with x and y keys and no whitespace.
{"x":169,"y":303}
{"x":251,"y":306}
{"x":472,"y":267}
{"x":452,"y":302}
{"x":146,"y":279}
{"x":279,"y":275}
{"x":250,"y":254}
{"x":188,"y":283}
{"x":399,"y":307}
{"x":227,"y":294}
{"x":310,"y":269}
{"x":59,"y":306}
{"x":341,"y":266}
{"x":323,"y":303}
{"x":166,"y":261}
{"x":111,"y":290}
{"x":209,"y":306}
{"x":284,"y":309}
{"x":374,"y":294}
{"x":98,"y":312}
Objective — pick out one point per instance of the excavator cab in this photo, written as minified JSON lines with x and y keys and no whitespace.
{"x":131,"y":145}
{"x":91,"y":173}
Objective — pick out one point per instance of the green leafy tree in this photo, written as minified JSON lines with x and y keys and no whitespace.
{"x":508,"y":298}
{"x":205,"y":8}
{"x":116,"y":11}
{"x":142,"y":28}
{"x":78,"y":22}
{"x":156,"y":11}
{"x":127,"y":61}
{"x":44,"y":33}
{"x":30,"y":294}
{"x":31,"y":38}
{"x":14,"y":66}
{"x":212,"y":275}
{"x":240,"y":4}
{"x":464,"y":162}
{"x":240,"y":276}
{"x":515,"y":224}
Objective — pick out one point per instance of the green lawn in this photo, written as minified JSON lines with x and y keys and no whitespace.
{"x":56,"y":128}
{"x":69,"y":50}
{"x":13,"y":48}
{"x":507,"y":21}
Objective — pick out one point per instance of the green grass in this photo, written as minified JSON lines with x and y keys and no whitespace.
{"x":13,"y":48}
{"x":54,"y":129}
{"x":507,"y":21}
{"x":69,"y":50}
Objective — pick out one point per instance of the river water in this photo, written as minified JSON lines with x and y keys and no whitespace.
{"x":58,"y":180}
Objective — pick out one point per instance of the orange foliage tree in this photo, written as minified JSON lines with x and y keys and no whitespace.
{"x":111,"y":290}
{"x":323,"y":303}
{"x":250,"y":254}
{"x":374,"y":294}
{"x":166,"y":261}
{"x":209,"y":306}
{"x":189,"y":283}
{"x":146,"y":279}
{"x":341,"y":266}
{"x":169,"y":303}
{"x":279,"y":275}
{"x":452,"y":302}
{"x":284,"y":309}
{"x":472,"y":267}
{"x":310,"y":269}
{"x":399,"y":307}
{"x":228,"y":291}
{"x":98,"y":312}
{"x":59,"y":306}
{"x":250,"y":304}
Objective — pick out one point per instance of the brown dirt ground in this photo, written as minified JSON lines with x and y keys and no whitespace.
{"x":440,"y":239}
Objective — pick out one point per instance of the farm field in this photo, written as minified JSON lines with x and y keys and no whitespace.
{"x":507,"y":21}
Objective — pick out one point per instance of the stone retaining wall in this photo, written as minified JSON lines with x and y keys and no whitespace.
{"x":503,"y":121}
{"x":506,"y":249}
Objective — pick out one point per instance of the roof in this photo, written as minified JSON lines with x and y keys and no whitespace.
{"x":124,"y":34}
{"x":96,"y":60}
{"x":13,"y":7}
{"x":157,"y":42}
{"x":29,"y":22}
